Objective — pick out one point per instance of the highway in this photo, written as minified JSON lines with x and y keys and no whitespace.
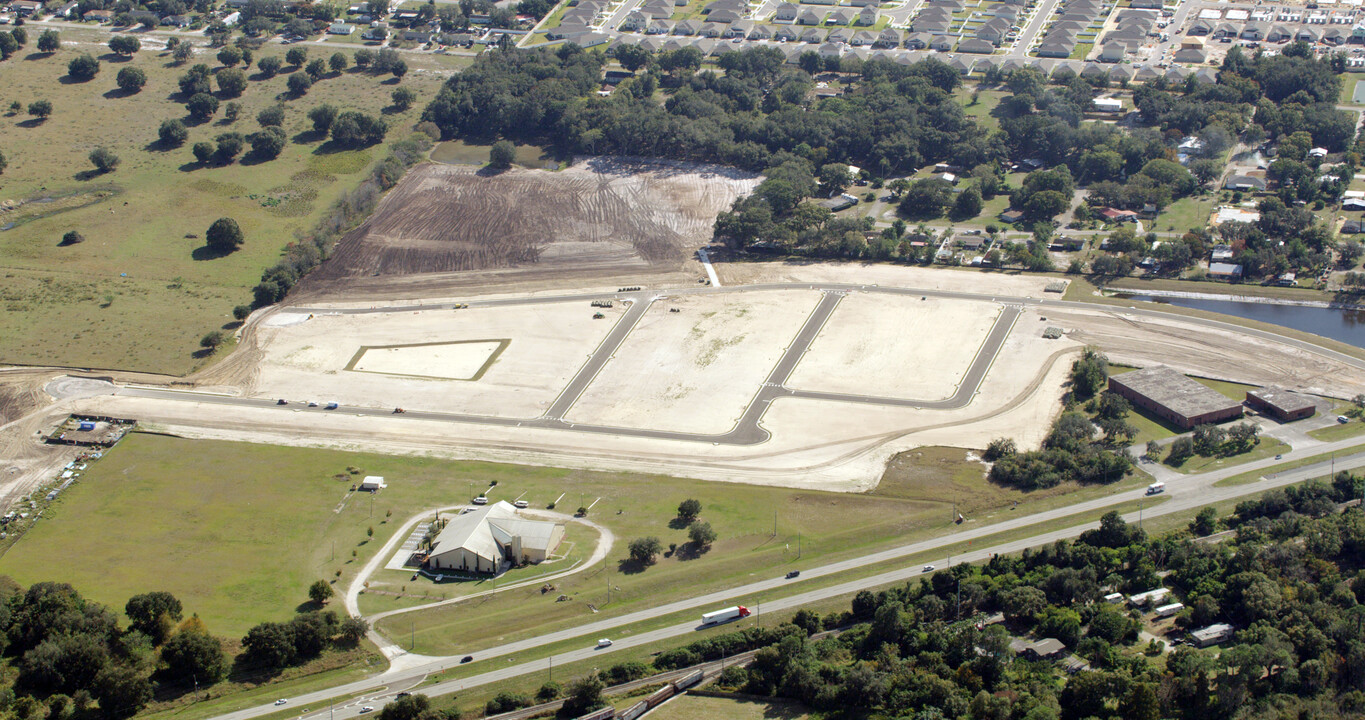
{"x":1194,"y":491}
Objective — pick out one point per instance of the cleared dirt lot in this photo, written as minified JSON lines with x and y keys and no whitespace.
{"x":895,"y":346}
{"x":307,"y":360}
{"x":1223,"y":354}
{"x":759,"y":270}
{"x":697,"y":369}
{"x":600,"y":216}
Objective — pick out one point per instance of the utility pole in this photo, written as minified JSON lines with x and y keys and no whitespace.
{"x":774,"y":523}
{"x":412,"y":635}
{"x":798,"y":546}
{"x":552,"y":668}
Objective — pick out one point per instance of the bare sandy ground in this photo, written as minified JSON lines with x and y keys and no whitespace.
{"x":451,"y":361}
{"x":1222,"y":354}
{"x":548,"y":343}
{"x":927,"y":278}
{"x":697,"y":369}
{"x":895,"y":346}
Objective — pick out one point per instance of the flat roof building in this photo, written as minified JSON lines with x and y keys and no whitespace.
{"x":1281,"y":404}
{"x":1174,"y":398}
{"x":1211,"y":635}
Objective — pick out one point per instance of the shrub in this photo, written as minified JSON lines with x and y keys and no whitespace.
{"x":172,"y":133}
{"x":403,"y":98}
{"x":104,"y":160}
{"x":125,"y":44}
{"x":131,"y":79}
{"x":322,"y":117}
{"x":268,"y":143}
{"x":40,"y":109}
{"x":272,"y":116}
{"x":298,"y":83}
{"x":83,"y":67}
{"x":296,"y":56}
{"x":202,"y":106}
{"x":230,"y":56}
{"x":203,"y":151}
{"x":223,"y":235}
{"x":72,"y":238}
{"x":337,"y":62}
{"x":231,"y":82}
{"x":229,"y":147}
{"x":269,"y":66}
{"x":501,"y":155}
{"x":49,"y":41}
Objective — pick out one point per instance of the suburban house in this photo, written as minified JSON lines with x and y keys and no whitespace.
{"x":490,"y":538}
{"x":1244,"y":182}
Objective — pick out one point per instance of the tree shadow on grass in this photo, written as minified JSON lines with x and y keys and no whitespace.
{"x":307,"y":136}
{"x":31,"y":122}
{"x":679,"y":523}
{"x":192,"y":166}
{"x":114,"y":58}
{"x":68,"y":80}
{"x":87,"y":175}
{"x":40,"y":55}
{"x":391,"y":81}
{"x":204,"y":252}
{"x":690,"y":551}
{"x":118,"y":93}
{"x":630,"y":566}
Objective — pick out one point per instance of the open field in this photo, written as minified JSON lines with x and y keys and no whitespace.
{"x":1185,"y":214}
{"x":896,"y":346}
{"x":695,"y":707}
{"x":544,"y":346}
{"x":596,"y":217}
{"x":1267,"y":447}
{"x":140,"y":282}
{"x":697,"y":369}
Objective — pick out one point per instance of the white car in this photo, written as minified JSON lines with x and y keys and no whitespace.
{"x":480,"y":500}
{"x":928,"y":568}
{"x":522,"y":504}
{"x":604,"y":642}
{"x":366,"y":709}
{"x":281,"y":701}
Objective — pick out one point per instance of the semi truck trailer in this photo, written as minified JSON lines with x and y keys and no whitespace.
{"x":726,"y":615}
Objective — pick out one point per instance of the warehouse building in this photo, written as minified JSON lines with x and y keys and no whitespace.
{"x":488,"y":538}
{"x":1281,"y":404}
{"x":1174,"y":398}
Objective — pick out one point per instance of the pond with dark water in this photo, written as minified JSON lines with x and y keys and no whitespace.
{"x":1340,"y":324}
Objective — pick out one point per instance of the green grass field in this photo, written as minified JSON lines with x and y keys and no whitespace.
{"x":986,"y":101}
{"x":257,"y":524}
{"x":1185,"y":213}
{"x":133,"y":295}
{"x":1254,"y":475}
{"x":694,"y":707}
{"x":1339,"y":432}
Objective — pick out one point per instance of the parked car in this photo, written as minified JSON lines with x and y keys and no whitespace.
{"x":522,"y":504}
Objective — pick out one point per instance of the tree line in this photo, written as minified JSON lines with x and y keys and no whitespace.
{"x":1290,"y":579}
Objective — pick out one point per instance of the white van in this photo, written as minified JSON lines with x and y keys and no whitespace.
{"x":1156,"y":488}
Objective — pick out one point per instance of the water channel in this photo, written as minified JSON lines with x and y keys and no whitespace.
{"x":1343,"y":325}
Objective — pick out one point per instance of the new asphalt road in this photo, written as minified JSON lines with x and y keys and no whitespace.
{"x":1192,"y":492}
